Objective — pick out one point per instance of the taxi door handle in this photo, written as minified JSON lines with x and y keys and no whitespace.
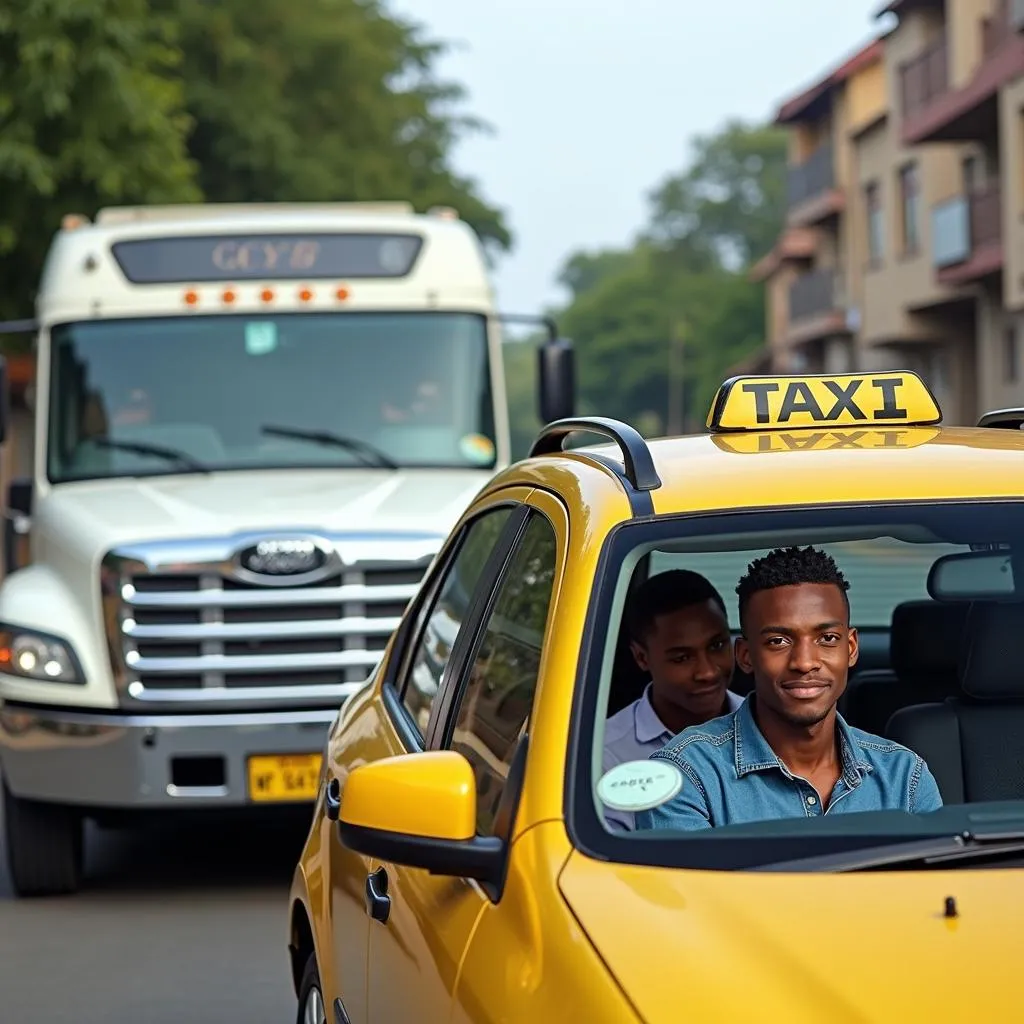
{"x":332,"y":800}
{"x":378,"y":902}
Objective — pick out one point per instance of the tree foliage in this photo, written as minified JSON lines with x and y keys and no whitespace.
{"x":106,"y":102}
{"x":322,"y":100}
{"x":91,"y":113}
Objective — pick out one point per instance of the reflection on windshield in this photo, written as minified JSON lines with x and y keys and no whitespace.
{"x":872,"y":693}
{"x":347,"y":389}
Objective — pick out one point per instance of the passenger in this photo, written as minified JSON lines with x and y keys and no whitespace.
{"x":786,"y":752}
{"x":679,"y":635}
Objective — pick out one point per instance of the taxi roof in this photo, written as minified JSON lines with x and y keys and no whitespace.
{"x":760,"y":462}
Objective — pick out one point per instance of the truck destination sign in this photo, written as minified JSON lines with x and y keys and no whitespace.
{"x":184,"y":259}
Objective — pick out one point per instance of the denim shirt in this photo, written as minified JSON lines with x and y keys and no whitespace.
{"x":732,"y":776}
{"x":633,"y":734}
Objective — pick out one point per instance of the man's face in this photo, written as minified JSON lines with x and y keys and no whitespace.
{"x":798,"y":645}
{"x":688,"y":653}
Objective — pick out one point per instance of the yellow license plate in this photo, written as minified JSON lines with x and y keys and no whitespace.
{"x":283,"y":777}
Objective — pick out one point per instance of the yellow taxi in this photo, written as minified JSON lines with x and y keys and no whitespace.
{"x":461,"y":865}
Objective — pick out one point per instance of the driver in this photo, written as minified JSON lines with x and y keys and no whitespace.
{"x":424,"y":400}
{"x":786,"y":752}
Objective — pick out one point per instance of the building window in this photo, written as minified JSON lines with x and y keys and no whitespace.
{"x":910,"y":203}
{"x":971,"y":175}
{"x":876,"y":226}
{"x":1011,"y":354}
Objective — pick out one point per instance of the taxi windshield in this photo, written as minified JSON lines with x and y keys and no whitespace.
{"x":139,"y":397}
{"x":735,"y":639}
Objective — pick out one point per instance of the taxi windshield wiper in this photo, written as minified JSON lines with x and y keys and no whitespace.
{"x":923,"y":854}
{"x":157,"y":450}
{"x":371,"y":456}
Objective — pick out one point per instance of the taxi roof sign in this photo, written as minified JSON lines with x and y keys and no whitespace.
{"x":794,"y":401}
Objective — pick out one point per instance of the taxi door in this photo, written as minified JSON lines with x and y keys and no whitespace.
{"x":422,"y":923}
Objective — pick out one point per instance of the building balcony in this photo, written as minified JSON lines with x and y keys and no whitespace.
{"x":811,"y":189}
{"x":817,"y":307}
{"x":934,"y":111}
{"x":967,"y":236}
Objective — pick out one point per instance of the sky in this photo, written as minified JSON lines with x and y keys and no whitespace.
{"x":592,"y":104}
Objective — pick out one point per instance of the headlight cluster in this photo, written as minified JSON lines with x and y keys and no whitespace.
{"x":39,"y":656}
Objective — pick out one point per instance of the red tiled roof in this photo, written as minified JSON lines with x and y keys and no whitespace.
{"x":865,"y":57}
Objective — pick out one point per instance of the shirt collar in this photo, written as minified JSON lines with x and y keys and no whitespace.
{"x":753,"y":754}
{"x":649,"y":726}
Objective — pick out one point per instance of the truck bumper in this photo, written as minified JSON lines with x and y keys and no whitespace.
{"x":149,"y":761}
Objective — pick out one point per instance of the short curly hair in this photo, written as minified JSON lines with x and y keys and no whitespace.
{"x":664,"y":593}
{"x":787,"y":567}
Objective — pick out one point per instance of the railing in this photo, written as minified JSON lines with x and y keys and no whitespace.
{"x":986,"y":214}
{"x":815,"y":293}
{"x":813,"y":177}
{"x":965,"y":223}
{"x":996,"y":29}
{"x":925,"y":77}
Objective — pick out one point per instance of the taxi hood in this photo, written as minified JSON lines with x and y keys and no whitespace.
{"x":865,"y":948}
{"x":93,"y":517}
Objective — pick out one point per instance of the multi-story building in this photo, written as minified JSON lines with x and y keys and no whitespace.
{"x":958,"y":78}
{"x":907,"y":169}
{"x":814,"y":273}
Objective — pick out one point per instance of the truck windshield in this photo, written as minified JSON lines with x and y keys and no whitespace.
{"x":137,"y":397}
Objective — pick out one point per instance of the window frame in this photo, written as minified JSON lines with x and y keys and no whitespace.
{"x":1011,"y":352}
{"x":910,"y":207}
{"x":456,"y":693}
{"x":455,"y":689}
{"x":873,"y":206}
{"x":744,"y":848}
{"x":410,"y":632}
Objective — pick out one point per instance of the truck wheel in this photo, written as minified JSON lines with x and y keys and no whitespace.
{"x":44,"y":846}
{"x":311,"y":996}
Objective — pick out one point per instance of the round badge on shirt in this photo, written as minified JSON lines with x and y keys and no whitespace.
{"x":639,"y":785}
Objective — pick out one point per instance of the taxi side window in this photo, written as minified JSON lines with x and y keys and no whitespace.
{"x":498,"y":695}
{"x":444,"y":616}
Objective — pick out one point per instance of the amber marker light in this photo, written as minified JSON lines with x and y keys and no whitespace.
{"x":342,"y":293}
{"x":229,"y":296}
{"x":305,"y":295}
{"x":267,"y":295}
{"x":191,"y":298}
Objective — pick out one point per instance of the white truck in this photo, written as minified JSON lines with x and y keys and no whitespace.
{"x":253,"y":427}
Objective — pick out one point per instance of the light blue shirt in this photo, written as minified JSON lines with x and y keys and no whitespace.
{"x":732,"y":776}
{"x":633,"y":734}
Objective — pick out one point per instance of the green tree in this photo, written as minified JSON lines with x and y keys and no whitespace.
{"x":662,"y":323}
{"x":323,"y":100}
{"x":584,"y":270}
{"x":90,"y":114}
{"x":728,"y":205}
{"x":521,"y":382}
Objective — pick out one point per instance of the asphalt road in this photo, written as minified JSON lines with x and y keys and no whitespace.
{"x":175,"y":923}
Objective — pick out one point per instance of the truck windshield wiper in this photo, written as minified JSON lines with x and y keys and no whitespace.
{"x":371,"y":456}
{"x":158,"y":450}
{"x":921,"y":854}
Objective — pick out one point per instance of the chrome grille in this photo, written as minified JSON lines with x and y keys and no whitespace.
{"x":195,"y":632}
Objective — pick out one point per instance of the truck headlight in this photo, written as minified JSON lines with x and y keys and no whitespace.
{"x":32,"y":655}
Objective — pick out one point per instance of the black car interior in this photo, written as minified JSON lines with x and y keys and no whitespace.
{"x":945,"y":681}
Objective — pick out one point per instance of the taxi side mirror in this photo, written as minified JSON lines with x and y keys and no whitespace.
{"x":419,"y":810}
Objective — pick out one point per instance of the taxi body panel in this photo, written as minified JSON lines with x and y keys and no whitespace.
{"x":814,"y":947}
{"x":566,"y":932}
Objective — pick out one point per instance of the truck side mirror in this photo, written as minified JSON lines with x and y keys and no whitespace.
{"x":557,"y":379}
